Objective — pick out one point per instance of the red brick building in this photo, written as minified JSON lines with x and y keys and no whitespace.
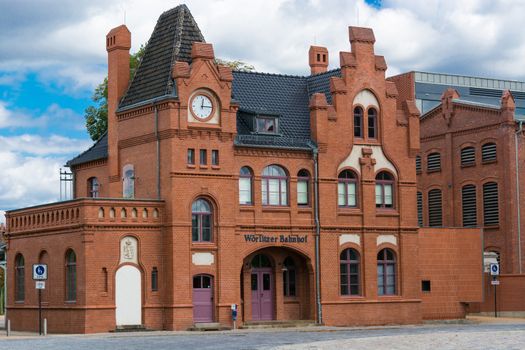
{"x":293,"y":197}
{"x":469,"y":170}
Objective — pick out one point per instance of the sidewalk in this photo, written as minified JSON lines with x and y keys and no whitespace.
{"x":472,"y":320}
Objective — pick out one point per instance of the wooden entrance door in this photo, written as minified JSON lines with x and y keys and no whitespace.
{"x":202,"y":298}
{"x":262,"y":294}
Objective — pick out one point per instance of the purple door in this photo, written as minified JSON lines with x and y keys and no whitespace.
{"x":202,"y":299}
{"x":262,"y":294}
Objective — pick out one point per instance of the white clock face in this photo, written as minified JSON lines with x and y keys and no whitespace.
{"x":201,"y":106}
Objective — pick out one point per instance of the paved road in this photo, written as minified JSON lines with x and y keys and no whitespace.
{"x":467,"y":336}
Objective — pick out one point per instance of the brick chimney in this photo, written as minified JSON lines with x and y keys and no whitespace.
{"x":118,"y":43}
{"x":318,"y":59}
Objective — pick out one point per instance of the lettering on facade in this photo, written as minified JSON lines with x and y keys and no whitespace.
{"x":260,"y":238}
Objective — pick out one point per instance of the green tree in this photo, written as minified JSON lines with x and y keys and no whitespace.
{"x":236,"y":65}
{"x":96,"y":115}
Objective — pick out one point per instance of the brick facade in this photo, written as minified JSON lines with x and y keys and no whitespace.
{"x":155,"y":137}
{"x":453,"y":127}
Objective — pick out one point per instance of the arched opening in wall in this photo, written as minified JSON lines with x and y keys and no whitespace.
{"x":128,"y":296}
{"x":203,"y":298}
{"x":277,"y":284}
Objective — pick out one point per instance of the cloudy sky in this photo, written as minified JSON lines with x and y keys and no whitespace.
{"x":52,"y":55}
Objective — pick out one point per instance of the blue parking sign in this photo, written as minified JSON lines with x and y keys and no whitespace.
{"x":494,"y":269}
{"x":40,"y":272}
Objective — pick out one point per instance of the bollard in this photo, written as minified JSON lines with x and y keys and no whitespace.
{"x":45,"y":327}
{"x":8,"y":328}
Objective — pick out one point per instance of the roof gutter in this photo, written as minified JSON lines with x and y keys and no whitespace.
{"x":151,"y":101}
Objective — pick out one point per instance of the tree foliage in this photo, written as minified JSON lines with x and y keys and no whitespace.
{"x":96,"y":115}
{"x":236,"y":65}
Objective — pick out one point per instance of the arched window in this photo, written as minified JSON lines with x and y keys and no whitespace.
{"x":372,"y":123}
{"x":468,"y":156}
{"x":261,"y":260}
{"x":419,"y":208}
{"x":274,"y":186}
{"x":386,"y":272}
{"x":93,"y":187}
{"x":488,"y":152}
{"x":384,"y":190}
{"x":128,"y":183}
{"x":434,"y":162}
{"x":19,"y":278}
{"x":468,"y":201}
{"x":418,"y":164}
{"x":358,"y":122}
{"x":303,"y":184}
{"x":289,"y":277}
{"x":435,"y":208}
{"x":71,"y":276}
{"x":201,"y":221}
{"x":490,"y":203}
{"x":349,"y":270}
{"x":245,"y":186}
{"x":347,"y":189}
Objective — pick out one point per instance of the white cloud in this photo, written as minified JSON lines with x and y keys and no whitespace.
{"x":28,"y":180}
{"x":42,"y":146}
{"x":471,"y":36}
{"x":54,"y":116}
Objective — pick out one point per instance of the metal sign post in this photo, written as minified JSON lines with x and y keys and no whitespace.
{"x":494,"y":272}
{"x":40,"y":275}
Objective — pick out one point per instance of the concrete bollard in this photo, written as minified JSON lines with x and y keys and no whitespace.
{"x":8,"y":328}
{"x":45,"y":327}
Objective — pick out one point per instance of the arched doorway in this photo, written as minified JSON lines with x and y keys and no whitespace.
{"x":202,"y":298}
{"x":128,"y":296}
{"x":277,"y":284}
{"x":262,"y":287}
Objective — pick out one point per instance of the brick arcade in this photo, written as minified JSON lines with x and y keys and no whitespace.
{"x":293,"y":197}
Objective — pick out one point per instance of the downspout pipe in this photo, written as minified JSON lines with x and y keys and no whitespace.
{"x":315,"y":152}
{"x":520,"y":130}
{"x":157,"y":141}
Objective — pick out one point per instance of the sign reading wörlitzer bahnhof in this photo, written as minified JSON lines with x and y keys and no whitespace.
{"x":265,"y":238}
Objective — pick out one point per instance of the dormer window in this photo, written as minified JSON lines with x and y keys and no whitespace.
{"x":266,"y":125}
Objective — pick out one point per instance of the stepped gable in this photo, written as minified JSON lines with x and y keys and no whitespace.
{"x":170,"y":41}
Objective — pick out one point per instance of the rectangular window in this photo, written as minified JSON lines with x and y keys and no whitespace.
{"x":191,"y":156}
{"x":266,"y":125}
{"x":425,"y":286}
{"x":245,"y":190}
{"x":203,"y":159}
{"x":154,"y":280}
{"x":302,"y":192}
{"x":215,"y":157}
{"x":468,"y":198}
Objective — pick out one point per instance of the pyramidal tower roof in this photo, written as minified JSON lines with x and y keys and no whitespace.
{"x":170,"y":41}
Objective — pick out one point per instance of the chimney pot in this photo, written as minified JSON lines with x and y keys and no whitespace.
{"x":318,"y":59}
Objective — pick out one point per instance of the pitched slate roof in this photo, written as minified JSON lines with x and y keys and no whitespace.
{"x":170,"y":41}
{"x":284,"y":96}
{"x":99,"y":150}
